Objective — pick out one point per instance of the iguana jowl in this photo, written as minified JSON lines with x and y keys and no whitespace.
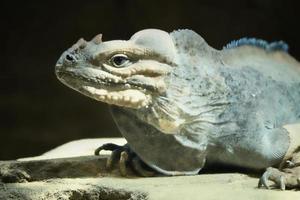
{"x":181,"y":103}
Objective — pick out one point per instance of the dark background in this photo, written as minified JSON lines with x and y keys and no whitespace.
{"x":39,"y":113}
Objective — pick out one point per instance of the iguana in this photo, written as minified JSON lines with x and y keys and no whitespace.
{"x":182,"y":104}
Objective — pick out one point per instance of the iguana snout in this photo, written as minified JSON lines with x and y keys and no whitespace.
{"x":124,"y":73}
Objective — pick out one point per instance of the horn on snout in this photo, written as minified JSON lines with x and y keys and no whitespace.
{"x":97,"y":39}
{"x":81,"y":43}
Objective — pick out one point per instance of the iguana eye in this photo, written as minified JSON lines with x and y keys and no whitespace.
{"x":119,"y":60}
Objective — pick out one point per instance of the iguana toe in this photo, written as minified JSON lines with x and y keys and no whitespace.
{"x":274,"y":175}
{"x":108,"y":147}
{"x":287,"y":178}
{"x":126,"y":157}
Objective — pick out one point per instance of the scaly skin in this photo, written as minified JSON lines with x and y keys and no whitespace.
{"x":180,"y":103}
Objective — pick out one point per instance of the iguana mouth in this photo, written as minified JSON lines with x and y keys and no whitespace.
{"x":105,"y":87}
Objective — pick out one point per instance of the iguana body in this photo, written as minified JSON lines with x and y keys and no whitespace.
{"x":180,"y":103}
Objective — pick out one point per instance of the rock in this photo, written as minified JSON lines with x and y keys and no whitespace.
{"x":55,"y":164}
{"x":84,"y":176}
{"x":83,"y":147}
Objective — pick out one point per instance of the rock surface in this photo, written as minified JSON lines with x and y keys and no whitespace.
{"x":83,"y":176}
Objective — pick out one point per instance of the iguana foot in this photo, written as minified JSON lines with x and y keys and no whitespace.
{"x":288,"y":177}
{"x":126,"y":157}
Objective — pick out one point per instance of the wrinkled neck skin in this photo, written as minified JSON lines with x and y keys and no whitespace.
{"x":194,"y":98}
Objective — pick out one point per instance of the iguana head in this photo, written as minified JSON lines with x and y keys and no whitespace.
{"x":127,"y":73}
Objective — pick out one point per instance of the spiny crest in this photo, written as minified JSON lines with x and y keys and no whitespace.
{"x":186,"y":33}
{"x":189,"y":42}
{"x":273,"y":46}
{"x":187,"y":36}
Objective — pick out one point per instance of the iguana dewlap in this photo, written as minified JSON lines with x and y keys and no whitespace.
{"x":181,"y":103}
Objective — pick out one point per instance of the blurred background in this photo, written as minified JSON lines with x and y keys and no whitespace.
{"x":39,"y":113}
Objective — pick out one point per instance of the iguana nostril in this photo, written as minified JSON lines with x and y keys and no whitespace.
{"x":70,"y":57}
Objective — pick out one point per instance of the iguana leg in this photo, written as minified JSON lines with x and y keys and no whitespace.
{"x":125,"y":156}
{"x":288,"y":174}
